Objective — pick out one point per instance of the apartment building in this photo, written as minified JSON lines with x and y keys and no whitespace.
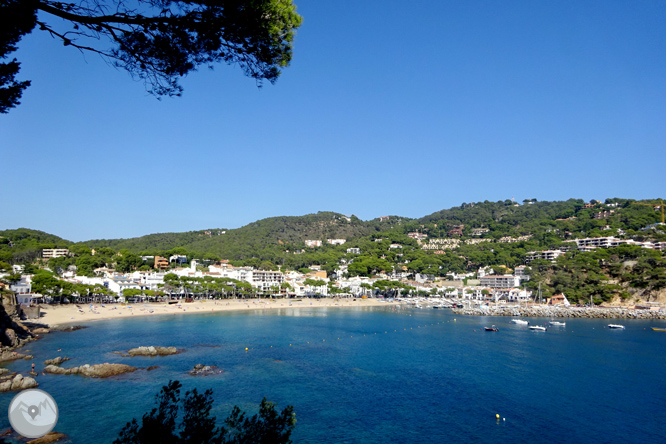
{"x":504,"y":281}
{"x":49,"y":253}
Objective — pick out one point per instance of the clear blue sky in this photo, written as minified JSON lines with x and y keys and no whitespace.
{"x":388,"y":108}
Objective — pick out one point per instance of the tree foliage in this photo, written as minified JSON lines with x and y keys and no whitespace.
{"x":17,"y":18}
{"x":158,"y":41}
{"x":162,"y":426}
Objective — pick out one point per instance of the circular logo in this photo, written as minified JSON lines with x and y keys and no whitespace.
{"x":33,"y":413}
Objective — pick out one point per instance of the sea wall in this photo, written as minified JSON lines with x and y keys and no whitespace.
{"x":562,"y":312}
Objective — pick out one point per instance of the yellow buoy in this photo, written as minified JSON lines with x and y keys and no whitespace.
{"x":246,"y":349}
{"x":497,"y":416}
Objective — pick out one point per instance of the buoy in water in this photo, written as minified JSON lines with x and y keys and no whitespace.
{"x":245,"y":348}
{"x":497,"y":416}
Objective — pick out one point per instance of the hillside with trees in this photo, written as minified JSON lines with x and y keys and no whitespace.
{"x":457,"y":240}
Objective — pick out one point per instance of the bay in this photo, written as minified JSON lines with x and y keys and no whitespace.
{"x":376,"y":375}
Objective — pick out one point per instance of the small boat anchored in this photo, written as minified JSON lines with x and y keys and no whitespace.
{"x":618,"y":326}
{"x":519,"y":322}
{"x":537,"y":328}
{"x":493,"y":328}
{"x":557,"y":323}
{"x":658,"y":329}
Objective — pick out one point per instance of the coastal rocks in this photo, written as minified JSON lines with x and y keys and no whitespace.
{"x":12,"y":339}
{"x":9,"y":355}
{"x":152,"y":351}
{"x":12,"y":332}
{"x":49,"y":438}
{"x":56,"y":361}
{"x":17,"y":382}
{"x":105,"y":370}
{"x":205,"y":370}
{"x":41,"y":331}
{"x":69,"y":328}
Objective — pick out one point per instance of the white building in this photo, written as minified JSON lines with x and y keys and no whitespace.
{"x":266,"y":280}
{"x":49,"y":253}
{"x":548,"y":255}
{"x":312,"y":243}
{"x":504,"y":281}
{"x":336,"y":241}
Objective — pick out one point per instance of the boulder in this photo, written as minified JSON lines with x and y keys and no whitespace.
{"x":12,"y":339}
{"x":8,"y":355}
{"x":18,"y":382}
{"x":56,"y":361}
{"x":69,"y":328}
{"x":49,"y":438}
{"x":41,"y":331}
{"x":152,"y":351}
{"x":105,"y":370}
{"x":205,"y":370}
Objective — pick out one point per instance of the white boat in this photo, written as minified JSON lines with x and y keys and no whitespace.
{"x":616,"y":326}
{"x":557,"y":323}
{"x":519,"y":322}
{"x":537,"y":328}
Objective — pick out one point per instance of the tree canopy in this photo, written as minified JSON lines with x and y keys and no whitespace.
{"x":157,"y":41}
{"x":197,"y":426}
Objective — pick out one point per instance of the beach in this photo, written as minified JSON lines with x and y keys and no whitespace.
{"x":55,"y":315}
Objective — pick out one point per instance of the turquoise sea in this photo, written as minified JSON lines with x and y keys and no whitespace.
{"x":377,"y":375}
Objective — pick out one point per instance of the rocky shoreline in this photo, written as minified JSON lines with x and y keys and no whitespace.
{"x":563,"y":312}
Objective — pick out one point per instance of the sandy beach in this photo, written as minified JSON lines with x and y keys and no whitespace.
{"x":53,"y":315}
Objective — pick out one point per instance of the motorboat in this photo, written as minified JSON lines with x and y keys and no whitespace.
{"x":537,"y":328}
{"x":616,"y":326}
{"x":493,"y":328}
{"x":557,"y":323}
{"x":519,"y":322}
{"x":658,"y":329}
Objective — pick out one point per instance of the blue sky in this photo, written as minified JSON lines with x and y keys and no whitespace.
{"x":388,"y":108}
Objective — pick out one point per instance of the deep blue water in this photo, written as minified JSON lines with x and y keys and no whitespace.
{"x":377,"y":375}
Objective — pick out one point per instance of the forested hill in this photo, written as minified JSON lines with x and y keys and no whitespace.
{"x":264,"y":238}
{"x":575,"y":217}
{"x":534,"y":225}
{"x":25,"y":245}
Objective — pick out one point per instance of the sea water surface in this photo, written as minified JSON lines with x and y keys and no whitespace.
{"x":376,"y":375}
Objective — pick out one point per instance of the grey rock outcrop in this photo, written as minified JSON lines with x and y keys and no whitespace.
{"x":9,"y":355}
{"x":105,"y":370}
{"x":152,"y":351}
{"x":205,"y":370}
{"x":18,"y":382}
{"x":56,"y":361}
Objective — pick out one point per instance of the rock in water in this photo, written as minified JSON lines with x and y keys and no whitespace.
{"x":56,"y":361}
{"x":105,"y":370}
{"x":153,"y":351}
{"x":18,"y":382}
{"x":205,"y":370}
{"x":49,"y":438}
